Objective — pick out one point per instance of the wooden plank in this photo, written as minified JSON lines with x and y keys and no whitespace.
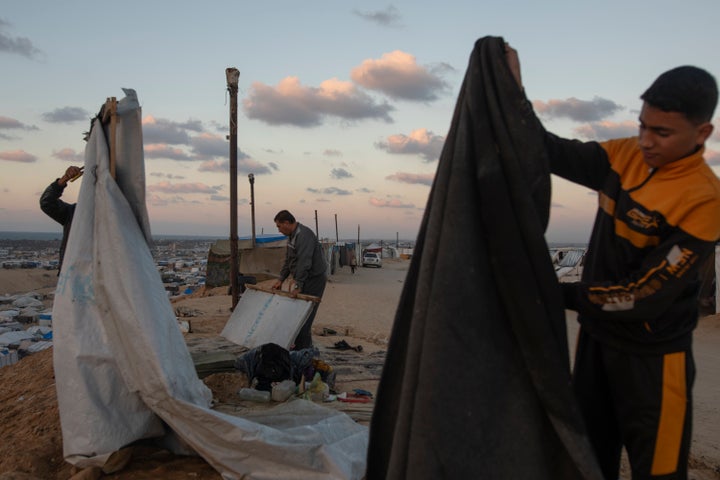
{"x":301,"y":296}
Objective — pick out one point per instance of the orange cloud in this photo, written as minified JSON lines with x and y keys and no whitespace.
{"x":20,"y":156}
{"x":392,"y":203}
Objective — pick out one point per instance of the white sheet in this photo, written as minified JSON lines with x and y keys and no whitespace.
{"x":262,"y":317}
{"x":121,"y":363}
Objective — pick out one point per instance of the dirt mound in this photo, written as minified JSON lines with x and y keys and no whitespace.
{"x":202,"y":292}
{"x":23,"y":280}
{"x":31,"y":447}
{"x":32,"y":442}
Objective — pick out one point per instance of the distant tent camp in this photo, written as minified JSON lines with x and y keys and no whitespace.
{"x":373,"y":247}
{"x":263,"y":262}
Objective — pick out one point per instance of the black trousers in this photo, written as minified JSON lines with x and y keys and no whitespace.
{"x":642,"y":402}
{"x":312,"y":286}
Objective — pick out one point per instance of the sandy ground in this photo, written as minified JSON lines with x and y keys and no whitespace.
{"x":359,"y":308}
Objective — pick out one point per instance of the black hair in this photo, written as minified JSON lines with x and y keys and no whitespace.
{"x":284,"y":216}
{"x":688,"y":90}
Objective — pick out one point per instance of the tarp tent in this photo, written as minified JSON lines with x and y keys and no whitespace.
{"x":263,"y":261}
{"x":373,"y":247}
{"x":476,"y":382}
{"x":123,"y":371}
{"x":570,"y":263}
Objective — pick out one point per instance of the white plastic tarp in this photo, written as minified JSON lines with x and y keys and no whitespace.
{"x":121,"y":363}
{"x":571,"y":258}
{"x":12,"y":338}
{"x":263,"y":317}
{"x":8,"y":357}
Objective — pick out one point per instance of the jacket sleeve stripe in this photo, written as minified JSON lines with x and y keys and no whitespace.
{"x":638,"y":239}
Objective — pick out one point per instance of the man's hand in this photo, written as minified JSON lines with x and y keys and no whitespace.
{"x":277,"y":284}
{"x":70,"y":173}
{"x":513,"y":61}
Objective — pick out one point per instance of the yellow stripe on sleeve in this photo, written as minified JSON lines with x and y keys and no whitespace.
{"x":639,"y":240}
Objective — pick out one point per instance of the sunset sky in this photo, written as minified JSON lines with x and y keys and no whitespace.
{"x":343,"y":106}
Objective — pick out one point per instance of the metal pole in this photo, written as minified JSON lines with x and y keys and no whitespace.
{"x":233,"y":75}
{"x":251,"y":177}
{"x":317,"y":234}
{"x":337,"y":237}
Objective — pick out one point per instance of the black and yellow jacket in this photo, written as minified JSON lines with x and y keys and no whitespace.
{"x":653,"y":231}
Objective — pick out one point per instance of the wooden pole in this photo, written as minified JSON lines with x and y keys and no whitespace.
{"x":282,"y":293}
{"x":110,"y":114}
{"x":232,"y":75}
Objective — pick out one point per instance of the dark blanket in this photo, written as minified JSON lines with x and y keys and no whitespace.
{"x":477,"y":379}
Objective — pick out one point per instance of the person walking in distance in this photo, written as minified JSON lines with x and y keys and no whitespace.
{"x":353,"y":262}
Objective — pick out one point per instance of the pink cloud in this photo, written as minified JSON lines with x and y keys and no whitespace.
{"x":69,"y":155}
{"x":392,"y":203}
{"x":165,"y":151}
{"x":20,"y":156}
{"x":606,"y":130}
{"x":412,"y":178}
{"x":167,"y":187}
{"x":398,"y":75}
{"x":421,"y":142}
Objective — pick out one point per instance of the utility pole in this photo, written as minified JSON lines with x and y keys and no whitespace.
{"x":317,"y":234}
{"x":337,"y":237}
{"x":233,"y":75}
{"x":251,"y":178}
